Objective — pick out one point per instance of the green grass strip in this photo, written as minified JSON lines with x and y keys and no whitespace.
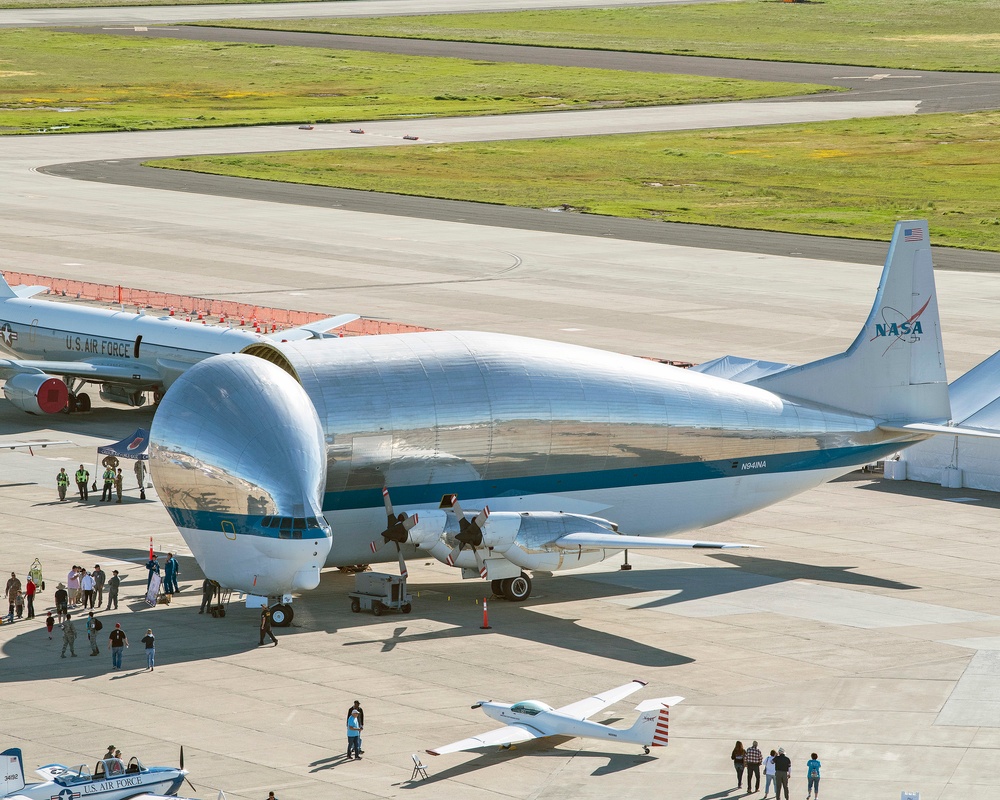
{"x":901,"y":34}
{"x":74,"y":83}
{"x":851,"y":179}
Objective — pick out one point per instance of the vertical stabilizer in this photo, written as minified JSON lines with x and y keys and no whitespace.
{"x":13,"y":771}
{"x":894,"y":371}
{"x":5,"y":290}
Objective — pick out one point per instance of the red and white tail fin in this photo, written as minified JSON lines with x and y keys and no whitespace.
{"x":652,"y":729}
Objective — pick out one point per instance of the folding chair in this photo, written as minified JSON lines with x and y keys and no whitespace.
{"x":418,"y":768}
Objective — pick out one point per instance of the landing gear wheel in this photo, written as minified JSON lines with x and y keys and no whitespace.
{"x":646,"y":750}
{"x":406,"y":608}
{"x":377,"y":608}
{"x":83,"y":403}
{"x":281,"y":615}
{"x":355,"y":605}
{"x":71,"y":404}
{"x":157,"y":396}
{"x":517,"y":589}
{"x":497,"y":588}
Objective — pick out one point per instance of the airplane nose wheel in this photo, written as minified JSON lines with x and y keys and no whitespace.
{"x":281,"y":615}
{"x":516,"y":589}
{"x":646,"y":750}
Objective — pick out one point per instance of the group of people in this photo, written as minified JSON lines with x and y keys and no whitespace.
{"x":171,"y":569}
{"x":113,"y":481}
{"x":117,"y":640}
{"x":18,"y":597}
{"x":777,"y":769}
{"x":86,"y":589}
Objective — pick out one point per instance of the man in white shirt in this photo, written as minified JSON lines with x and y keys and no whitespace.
{"x":87,"y":584}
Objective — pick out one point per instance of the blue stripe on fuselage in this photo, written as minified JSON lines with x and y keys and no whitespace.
{"x":552,"y":484}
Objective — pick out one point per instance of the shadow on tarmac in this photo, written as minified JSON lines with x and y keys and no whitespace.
{"x":791,"y":570}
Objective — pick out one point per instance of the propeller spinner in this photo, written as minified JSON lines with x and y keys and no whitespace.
{"x":470,"y":532}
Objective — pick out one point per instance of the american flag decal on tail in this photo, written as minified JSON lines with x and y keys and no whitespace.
{"x":662,"y":733}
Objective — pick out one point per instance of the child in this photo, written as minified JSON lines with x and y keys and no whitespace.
{"x":49,"y":623}
{"x":19,"y":605}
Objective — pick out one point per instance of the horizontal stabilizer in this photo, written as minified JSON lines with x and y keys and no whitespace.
{"x":614,"y":541}
{"x":658,"y":702}
{"x":28,"y":291}
{"x":939,"y":430}
{"x":315,"y":330}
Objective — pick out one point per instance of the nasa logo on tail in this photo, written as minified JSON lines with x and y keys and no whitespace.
{"x":904,"y":329}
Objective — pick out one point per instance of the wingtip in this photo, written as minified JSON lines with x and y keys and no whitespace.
{"x":432,"y":752}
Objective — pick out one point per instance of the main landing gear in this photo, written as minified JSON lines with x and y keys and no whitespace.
{"x":282,"y":615}
{"x":78,"y":403}
{"x":513,"y":589}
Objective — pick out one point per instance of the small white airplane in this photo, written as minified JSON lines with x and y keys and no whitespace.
{"x":531,"y":719}
{"x":112,"y":779}
{"x":61,"y":347}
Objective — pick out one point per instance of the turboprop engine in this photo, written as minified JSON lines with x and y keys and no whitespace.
{"x":36,"y":393}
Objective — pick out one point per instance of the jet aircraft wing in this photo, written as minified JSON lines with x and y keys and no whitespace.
{"x":620,"y":542}
{"x":501,"y":736}
{"x":582,"y":709}
{"x":86,"y":370}
{"x":314,"y":330}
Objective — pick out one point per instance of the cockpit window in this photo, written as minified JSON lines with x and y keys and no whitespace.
{"x":530,"y":707}
{"x":290,"y":527}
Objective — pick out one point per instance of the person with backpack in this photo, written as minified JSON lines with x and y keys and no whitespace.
{"x":812,"y":776}
{"x":94,"y":626}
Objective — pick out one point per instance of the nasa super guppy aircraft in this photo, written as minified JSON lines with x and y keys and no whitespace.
{"x":285,"y":458}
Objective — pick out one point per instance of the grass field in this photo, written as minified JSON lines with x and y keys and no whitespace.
{"x":852,"y":179}
{"x":918,"y":34}
{"x":73,"y":83}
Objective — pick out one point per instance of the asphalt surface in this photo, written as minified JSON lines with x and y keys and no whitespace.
{"x":937,"y":91}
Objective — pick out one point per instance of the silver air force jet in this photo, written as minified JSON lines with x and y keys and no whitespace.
{"x":60,"y":347}
{"x":282,"y":459}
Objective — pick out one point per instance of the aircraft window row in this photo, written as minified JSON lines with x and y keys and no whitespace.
{"x":291,"y":527}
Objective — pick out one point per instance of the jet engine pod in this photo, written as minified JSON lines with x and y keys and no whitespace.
{"x":37,"y":393}
{"x":238,"y":458}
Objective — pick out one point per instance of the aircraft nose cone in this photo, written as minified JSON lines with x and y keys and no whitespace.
{"x":238,"y":457}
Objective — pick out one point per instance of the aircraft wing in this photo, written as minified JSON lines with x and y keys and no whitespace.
{"x":587,"y":708}
{"x":314,"y":330}
{"x":85,"y":370}
{"x":501,"y":736}
{"x":619,"y":542}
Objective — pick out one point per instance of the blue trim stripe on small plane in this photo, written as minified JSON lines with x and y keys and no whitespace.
{"x":402,"y":496}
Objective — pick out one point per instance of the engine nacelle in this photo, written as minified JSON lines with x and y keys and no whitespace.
{"x":36,"y":393}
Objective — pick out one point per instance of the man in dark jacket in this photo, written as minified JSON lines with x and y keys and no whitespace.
{"x":265,"y":626}
{"x":782,"y":766}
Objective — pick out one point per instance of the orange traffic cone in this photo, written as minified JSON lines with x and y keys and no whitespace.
{"x":486,"y":617}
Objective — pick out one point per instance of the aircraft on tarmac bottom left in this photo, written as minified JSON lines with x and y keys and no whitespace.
{"x":61,"y":347}
{"x":112,"y":779}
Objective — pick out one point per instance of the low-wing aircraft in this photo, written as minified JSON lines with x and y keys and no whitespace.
{"x":61,"y":347}
{"x":531,"y":719}
{"x":280,"y":460}
{"x":112,"y":779}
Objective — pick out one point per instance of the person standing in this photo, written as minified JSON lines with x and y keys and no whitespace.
{"x":353,"y":736}
{"x":782,"y":767}
{"x":50,"y":623}
{"x":82,"y":479}
{"x":812,"y":776}
{"x":73,"y":585}
{"x":113,"y":585}
{"x":61,"y":597}
{"x":738,"y":756}
{"x":69,"y":637}
{"x":265,"y":626}
{"x":118,"y":641}
{"x":118,"y":485}
{"x":99,"y":580}
{"x":93,"y":627}
{"x":207,"y":593}
{"x":11,"y":592}
{"x":87,"y":585}
{"x":753,"y":759}
{"x":109,"y":482}
{"x":170,"y":572}
{"x":150,"y":641}
{"x":29,"y":595}
{"x":769,"y":772}
{"x":361,"y":720}
{"x":140,"y":477}
{"x":62,"y":483}
{"x":153,"y":566}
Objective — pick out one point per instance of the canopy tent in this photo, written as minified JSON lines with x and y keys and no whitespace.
{"x":135,"y":446}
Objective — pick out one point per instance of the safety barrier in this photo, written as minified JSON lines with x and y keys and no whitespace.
{"x":201,"y":309}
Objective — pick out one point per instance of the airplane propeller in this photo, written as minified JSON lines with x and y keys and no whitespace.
{"x":182,"y":768}
{"x":397,"y":530}
{"x":470,"y":532}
